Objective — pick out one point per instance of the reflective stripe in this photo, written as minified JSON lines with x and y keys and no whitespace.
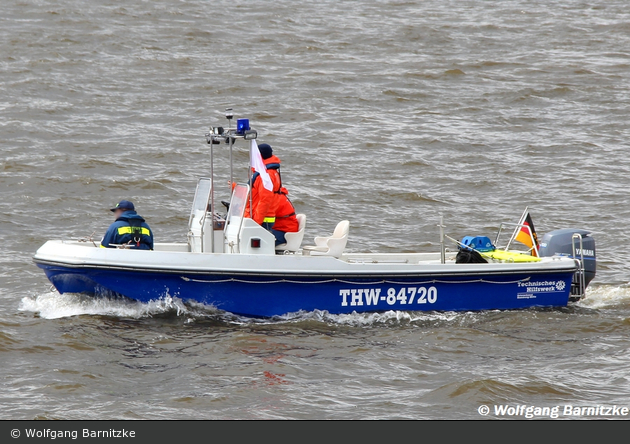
{"x":269,"y":220}
{"x":134,"y":230}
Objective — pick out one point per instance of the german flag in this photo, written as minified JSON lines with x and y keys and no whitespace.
{"x":527,"y":232}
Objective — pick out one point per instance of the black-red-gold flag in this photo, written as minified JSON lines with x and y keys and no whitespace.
{"x":527,"y":234}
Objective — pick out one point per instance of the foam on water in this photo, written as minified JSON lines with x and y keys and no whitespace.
{"x":52,"y":305}
{"x":391,"y":317}
{"x":606,"y":297}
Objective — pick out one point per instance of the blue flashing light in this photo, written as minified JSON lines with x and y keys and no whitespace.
{"x":242,"y":125}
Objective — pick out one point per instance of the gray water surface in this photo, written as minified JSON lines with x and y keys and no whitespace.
{"x":388,"y":114}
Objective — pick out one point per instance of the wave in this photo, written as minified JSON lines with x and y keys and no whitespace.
{"x":606,"y":297}
{"x":52,"y":305}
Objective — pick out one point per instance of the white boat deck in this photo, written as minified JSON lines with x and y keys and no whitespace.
{"x":177,"y":257}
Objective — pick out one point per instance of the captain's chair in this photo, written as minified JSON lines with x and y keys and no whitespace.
{"x":331,"y":245}
{"x":294,"y":240}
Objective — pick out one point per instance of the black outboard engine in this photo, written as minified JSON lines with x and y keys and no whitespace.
{"x":581,"y":247}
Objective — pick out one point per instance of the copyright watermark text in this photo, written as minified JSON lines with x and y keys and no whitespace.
{"x":557,"y":411}
{"x":72,"y":434}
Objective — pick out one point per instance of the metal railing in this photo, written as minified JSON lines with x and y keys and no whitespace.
{"x":579,"y":287}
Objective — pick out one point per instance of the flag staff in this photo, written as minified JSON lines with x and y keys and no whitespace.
{"x":526,"y":233}
{"x":211,"y":200}
{"x":249,"y":177}
{"x":518,"y":227}
{"x":442,"y":248}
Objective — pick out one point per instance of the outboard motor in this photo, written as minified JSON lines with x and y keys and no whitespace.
{"x":582,"y":246}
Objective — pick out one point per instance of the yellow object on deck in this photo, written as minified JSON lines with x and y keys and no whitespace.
{"x":509,"y":256}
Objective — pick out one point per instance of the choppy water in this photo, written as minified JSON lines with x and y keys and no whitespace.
{"x":386,"y":113}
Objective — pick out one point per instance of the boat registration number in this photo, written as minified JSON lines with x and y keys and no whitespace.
{"x":374,"y":296}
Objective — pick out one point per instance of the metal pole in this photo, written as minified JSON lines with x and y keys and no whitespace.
{"x":211,"y":198}
{"x":518,"y":227}
{"x":228,"y":116}
{"x":249,"y":175}
{"x":231,"y":166}
{"x":442,"y":248}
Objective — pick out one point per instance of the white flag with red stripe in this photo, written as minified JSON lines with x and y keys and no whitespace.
{"x":256,"y":162}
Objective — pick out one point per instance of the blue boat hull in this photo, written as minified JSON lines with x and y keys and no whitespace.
{"x":257,"y":295}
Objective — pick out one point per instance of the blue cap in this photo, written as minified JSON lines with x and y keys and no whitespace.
{"x":123,"y":205}
{"x":265,"y":150}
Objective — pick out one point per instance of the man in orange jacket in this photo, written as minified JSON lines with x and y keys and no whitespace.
{"x":265,"y":202}
{"x":286,"y":219}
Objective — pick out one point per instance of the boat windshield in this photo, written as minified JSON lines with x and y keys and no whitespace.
{"x":202,"y":197}
{"x":238,"y":201}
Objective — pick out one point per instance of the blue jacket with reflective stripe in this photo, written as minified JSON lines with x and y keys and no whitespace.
{"x":123,"y":231}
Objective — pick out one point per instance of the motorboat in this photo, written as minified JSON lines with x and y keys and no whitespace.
{"x":233,"y":264}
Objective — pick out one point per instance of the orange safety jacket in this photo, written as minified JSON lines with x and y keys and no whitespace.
{"x":286,"y":219}
{"x":265,"y":202}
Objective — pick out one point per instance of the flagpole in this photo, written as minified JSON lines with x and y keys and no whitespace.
{"x":211,"y":199}
{"x":249,"y":176}
{"x":518,"y":227}
{"x":442,"y":248}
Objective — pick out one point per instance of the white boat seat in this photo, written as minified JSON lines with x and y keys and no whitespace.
{"x":330,"y":245}
{"x":294,"y":240}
